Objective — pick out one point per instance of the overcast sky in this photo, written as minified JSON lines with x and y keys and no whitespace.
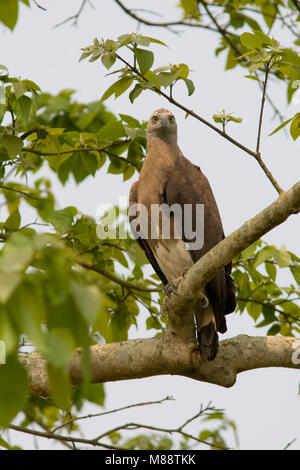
{"x":264,"y":403}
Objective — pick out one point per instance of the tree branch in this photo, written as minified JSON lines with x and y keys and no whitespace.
{"x":175,"y":351}
{"x":221,"y":132}
{"x":166,"y":24}
{"x":263,"y":99}
{"x":117,"y":280}
{"x":139,"y":358}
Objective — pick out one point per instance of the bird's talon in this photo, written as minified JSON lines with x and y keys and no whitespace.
{"x":204,"y":301}
{"x":169,"y":289}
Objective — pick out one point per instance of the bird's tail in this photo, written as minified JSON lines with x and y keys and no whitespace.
{"x":207,"y":336}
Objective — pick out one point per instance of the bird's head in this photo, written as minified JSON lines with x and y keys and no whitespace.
{"x":162,"y":124}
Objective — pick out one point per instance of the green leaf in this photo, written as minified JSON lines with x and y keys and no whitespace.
{"x":12,"y":398}
{"x":19,"y":88}
{"x":123,"y":87}
{"x":108,"y":60}
{"x":282,"y":257}
{"x":263,"y":255}
{"x":59,"y":347}
{"x":254,"y":310}
{"x":274,"y":330}
{"x":25,"y":105}
{"x":27,"y":309}
{"x":8,"y":284}
{"x":88,"y":301}
{"x":269,"y":11}
{"x":296,"y":273}
{"x":248,"y":252}
{"x":9,"y":12}
{"x":145,"y":59}
{"x":16,"y":254}
{"x":13,"y":221}
{"x":135,"y":92}
{"x":94,"y":393}
{"x":12,"y":144}
{"x":61,"y":220}
{"x":252,"y":77}
{"x":117,"y":88}
{"x":295,"y":128}
{"x":231,"y":61}
{"x":184,"y":70}
{"x":31,"y":85}
{"x":130,"y":121}
{"x":271,"y":270}
{"x":167,"y":78}
{"x":59,"y":383}
{"x":112,"y":131}
{"x":188,"y":6}
{"x":285,"y":123}
{"x":288,"y":70}
{"x":155,"y":41}
{"x":250,"y":41}
{"x":90,"y":162}
{"x":128,"y":173}
{"x":263,"y":38}
{"x":190,"y":86}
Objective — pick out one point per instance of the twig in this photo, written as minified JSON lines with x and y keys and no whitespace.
{"x":78,"y":149}
{"x":256,"y":155}
{"x":74,"y":17}
{"x":43,"y":426}
{"x":111,"y":411}
{"x":271,"y":306}
{"x":50,"y":435}
{"x":289,"y":444}
{"x":117,"y":280}
{"x":39,"y":6}
{"x":129,"y":426}
{"x":166,"y":24}
{"x":262,"y":108}
{"x":135,"y":426}
{"x":7,"y":188}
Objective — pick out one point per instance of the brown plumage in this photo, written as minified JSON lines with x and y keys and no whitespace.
{"x":167,"y":177}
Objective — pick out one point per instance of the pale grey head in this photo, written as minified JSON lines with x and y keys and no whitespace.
{"x":162,"y":124}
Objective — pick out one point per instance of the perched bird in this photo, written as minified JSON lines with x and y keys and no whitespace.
{"x":168,"y":179}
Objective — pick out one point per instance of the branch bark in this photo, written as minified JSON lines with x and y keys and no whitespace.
{"x":139,"y":358}
{"x":174,"y":352}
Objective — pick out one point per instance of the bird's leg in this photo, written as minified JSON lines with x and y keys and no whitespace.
{"x":172,"y":287}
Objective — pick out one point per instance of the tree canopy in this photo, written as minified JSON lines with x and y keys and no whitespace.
{"x":62,"y":291}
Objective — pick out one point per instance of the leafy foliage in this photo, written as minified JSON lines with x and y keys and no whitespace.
{"x":140,"y":73}
{"x":60,"y":286}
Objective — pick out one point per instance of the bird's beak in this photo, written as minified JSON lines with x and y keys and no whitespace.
{"x":166,"y":122}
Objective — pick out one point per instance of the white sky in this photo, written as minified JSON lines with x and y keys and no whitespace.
{"x":263,"y":403}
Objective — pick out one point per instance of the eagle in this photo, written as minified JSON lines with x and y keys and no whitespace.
{"x":176,"y":189}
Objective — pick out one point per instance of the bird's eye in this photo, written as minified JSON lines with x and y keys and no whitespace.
{"x":154,"y":119}
{"x":171,"y":119}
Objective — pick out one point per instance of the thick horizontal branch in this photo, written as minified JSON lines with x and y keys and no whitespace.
{"x":174,"y":352}
{"x":135,"y":359}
